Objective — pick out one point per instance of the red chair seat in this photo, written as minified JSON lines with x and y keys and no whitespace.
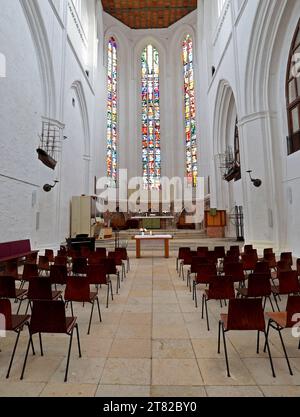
{"x":243,"y":291}
{"x":18,"y":321}
{"x":279,"y":318}
{"x":224,"y":319}
{"x":21,"y":293}
{"x":56,"y":295}
{"x":70,"y":323}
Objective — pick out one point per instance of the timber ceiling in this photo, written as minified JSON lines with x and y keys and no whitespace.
{"x":149,"y":14}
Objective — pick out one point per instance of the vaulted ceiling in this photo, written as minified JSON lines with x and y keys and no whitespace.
{"x":149,"y":14}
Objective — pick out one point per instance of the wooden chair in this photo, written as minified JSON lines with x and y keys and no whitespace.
{"x":50,"y":317}
{"x":259,"y":286}
{"x":49,"y":253}
{"x":219,"y":289}
{"x":287,"y":257}
{"x":236,"y":272}
{"x":79,"y":266}
{"x":288,"y":285}
{"x":204,"y":276}
{"x":244,"y":315}
{"x":78,"y":291}
{"x":180,"y":257}
{"x":43,"y":265}
{"x":12,"y":323}
{"x":8,"y":290}
{"x":97,"y":275}
{"x":285,"y":320}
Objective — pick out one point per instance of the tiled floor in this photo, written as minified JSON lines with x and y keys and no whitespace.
{"x":152,"y":342}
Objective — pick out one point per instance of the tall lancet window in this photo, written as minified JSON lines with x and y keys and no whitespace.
{"x":112,"y":111}
{"x":151,"y":118}
{"x":190,"y":112}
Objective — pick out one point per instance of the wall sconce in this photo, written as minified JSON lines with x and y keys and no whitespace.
{"x":47,"y":187}
{"x":256,"y":182}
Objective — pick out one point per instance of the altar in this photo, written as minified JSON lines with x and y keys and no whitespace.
{"x":155,"y":222}
{"x":144,"y":238}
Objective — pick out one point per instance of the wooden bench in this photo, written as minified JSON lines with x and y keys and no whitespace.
{"x":12,"y":252}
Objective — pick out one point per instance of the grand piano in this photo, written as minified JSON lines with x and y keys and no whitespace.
{"x":82,"y":241}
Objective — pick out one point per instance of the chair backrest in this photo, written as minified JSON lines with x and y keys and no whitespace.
{"x":49,"y":253}
{"x":212,"y":257}
{"x":79,"y":266}
{"x":262,"y":268}
{"x":287,"y":257}
{"x":78,"y":289}
{"x":248,"y":248}
{"x":43,"y":262}
{"x":235,"y":249}
{"x":60,"y":260}
{"x":30,"y":271}
{"x":271,"y":259}
{"x":249,"y":261}
{"x":116,"y":256}
{"x":58,"y":274}
{"x":298,"y":266}
{"x":101,"y":252}
{"x":32,"y":258}
{"x":97,"y":274}
{"x":293,"y":311}
{"x":259,"y":285}
{"x":182,"y":251}
{"x":268,"y":251}
{"x":288,"y":282}
{"x":220,"y":252}
{"x":7,"y":287}
{"x":123,"y":253}
{"x":283,"y":266}
{"x":110,"y":265}
{"x":95,"y":259}
{"x":231,"y":258}
{"x":206,"y":273}
{"x":85,"y":252}
{"x":202,"y":251}
{"x":196,"y":262}
{"x":40,"y":289}
{"x":48,"y":317}
{"x":221,"y":289}
{"x":6,"y":311}
{"x":235,"y":270}
{"x":11,"y":269}
{"x":246,"y":314}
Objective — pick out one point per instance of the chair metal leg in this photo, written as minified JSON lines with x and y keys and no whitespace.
{"x":270,"y":356}
{"x":99,"y":312}
{"x":107,"y":299}
{"x":202,"y":309}
{"x":78,"y":340}
{"x":91,"y":317}
{"x":257,"y":349}
{"x":111,"y":291}
{"x":219,"y":338}
{"x":19,"y":308}
{"x":206,"y":311}
{"x":267,"y":334}
{"x":69,"y":354}
{"x":72,"y":310}
{"x":285,"y":352}
{"x":195,"y":293}
{"x":26,"y":357}
{"x":276,"y":302}
{"x":41,"y":344}
{"x":271,"y":303}
{"x":177,"y":264}
{"x":225,"y":349}
{"x":13,"y":353}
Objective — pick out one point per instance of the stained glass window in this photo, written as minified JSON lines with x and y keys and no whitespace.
{"x":190,"y":112}
{"x":151,"y":118}
{"x":112,"y":111}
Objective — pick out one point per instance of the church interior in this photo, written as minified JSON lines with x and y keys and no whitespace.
{"x":149,"y":228}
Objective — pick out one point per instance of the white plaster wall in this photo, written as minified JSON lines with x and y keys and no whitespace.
{"x":47,"y":62}
{"x":249,"y":47}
